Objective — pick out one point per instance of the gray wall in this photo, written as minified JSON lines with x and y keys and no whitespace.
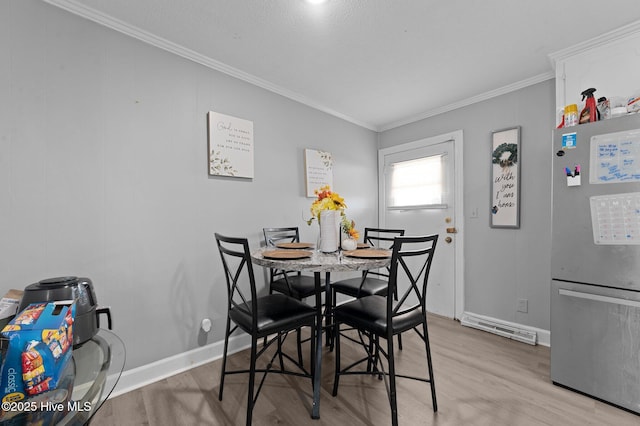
{"x":103,"y":173}
{"x":502,"y":265}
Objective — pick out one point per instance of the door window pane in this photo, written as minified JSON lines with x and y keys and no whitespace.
{"x":416,"y":182}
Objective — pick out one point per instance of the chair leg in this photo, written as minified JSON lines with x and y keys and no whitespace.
{"x":252,"y":375}
{"x":372,"y":358}
{"x":264,"y":341}
{"x":280,"y":358}
{"x":299,"y":343}
{"x":395,"y":297}
{"x":392,"y":383}
{"x":224,"y":358}
{"x":430,"y":366}
{"x":336,"y":341}
{"x":374,"y":355}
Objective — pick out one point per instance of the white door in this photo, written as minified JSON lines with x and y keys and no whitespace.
{"x":419,"y":192}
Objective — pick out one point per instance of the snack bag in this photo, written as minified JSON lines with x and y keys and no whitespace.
{"x":36,"y":346}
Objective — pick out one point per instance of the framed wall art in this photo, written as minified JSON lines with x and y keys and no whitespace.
{"x":230,"y":146}
{"x":505,"y":178}
{"x":318,"y":170}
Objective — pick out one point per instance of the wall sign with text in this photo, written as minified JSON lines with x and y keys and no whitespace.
{"x":230,"y":146}
{"x":318,"y":170}
{"x":505,"y":178}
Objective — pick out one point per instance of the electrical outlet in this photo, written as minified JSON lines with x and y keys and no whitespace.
{"x":205,"y":325}
{"x":523,"y":305}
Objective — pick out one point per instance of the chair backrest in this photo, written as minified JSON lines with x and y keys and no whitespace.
{"x":381,"y":238}
{"x":273,"y":236}
{"x":411,"y":261}
{"x":238,"y":271}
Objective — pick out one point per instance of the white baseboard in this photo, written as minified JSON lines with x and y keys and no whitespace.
{"x":161,"y":369}
{"x":543,"y":337}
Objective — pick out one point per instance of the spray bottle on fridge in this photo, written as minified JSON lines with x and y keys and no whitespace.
{"x":590,"y":111}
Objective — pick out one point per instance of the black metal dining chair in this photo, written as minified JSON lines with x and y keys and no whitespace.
{"x":291,"y":283}
{"x":371,"y":281}
{"x":377,"y":317}
{"x":271,"y":315}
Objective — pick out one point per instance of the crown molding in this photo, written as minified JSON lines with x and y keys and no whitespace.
{"x":604,"y":39}
{"x":100,"y":18}
{"x":161,"y":43}
{"x":470,"y":101}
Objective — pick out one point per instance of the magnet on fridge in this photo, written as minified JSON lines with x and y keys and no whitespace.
{"x":573,"y":180}
{"x":569,"y":140}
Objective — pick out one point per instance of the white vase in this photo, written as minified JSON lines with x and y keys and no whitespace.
{"x":349,"y":244}
{"x":329,"y":230}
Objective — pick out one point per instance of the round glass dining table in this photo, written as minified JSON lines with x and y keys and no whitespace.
{"x":85,"y":384}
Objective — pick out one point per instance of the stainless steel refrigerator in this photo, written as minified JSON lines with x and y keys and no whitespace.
{"x":595,"y":260}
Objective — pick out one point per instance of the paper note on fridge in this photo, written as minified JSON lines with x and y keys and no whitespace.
{"x":616,"y":218}
{"x":615,"y":157}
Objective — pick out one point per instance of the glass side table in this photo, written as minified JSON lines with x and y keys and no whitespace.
{"x":90,"y":378}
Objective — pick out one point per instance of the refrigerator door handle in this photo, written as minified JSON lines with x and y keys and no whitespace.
{"x":599,"y":298}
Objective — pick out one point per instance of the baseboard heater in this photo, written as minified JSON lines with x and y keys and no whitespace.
{"x":501,"y":329}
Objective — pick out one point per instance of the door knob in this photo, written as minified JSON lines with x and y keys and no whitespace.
{"x":448,"y":240}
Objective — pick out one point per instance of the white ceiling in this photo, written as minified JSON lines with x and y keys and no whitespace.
{"x":377,"y":63}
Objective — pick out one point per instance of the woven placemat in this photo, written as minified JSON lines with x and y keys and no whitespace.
{"x":368,"y":253}
{"x":286,"y":254}
{"x":294,"y":245}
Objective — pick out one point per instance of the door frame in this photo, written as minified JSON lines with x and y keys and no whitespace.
{"x":457,"y":138}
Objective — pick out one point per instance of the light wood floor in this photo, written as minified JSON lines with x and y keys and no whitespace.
{"x":481,"y":379}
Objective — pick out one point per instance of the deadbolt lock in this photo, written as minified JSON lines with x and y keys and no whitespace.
{"x":447,"y":219}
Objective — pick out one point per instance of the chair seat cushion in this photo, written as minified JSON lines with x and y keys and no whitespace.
{"x":302,"y":286}
{"x":276,"y":312}
{"x":351,"y":287}
{"x":370,"y":313}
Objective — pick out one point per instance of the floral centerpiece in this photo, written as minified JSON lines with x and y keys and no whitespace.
{"x":328,"y":208}
{"x":326,"y":200}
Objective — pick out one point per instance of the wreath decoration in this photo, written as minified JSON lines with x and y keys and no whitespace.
{"x":498,"y":153}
